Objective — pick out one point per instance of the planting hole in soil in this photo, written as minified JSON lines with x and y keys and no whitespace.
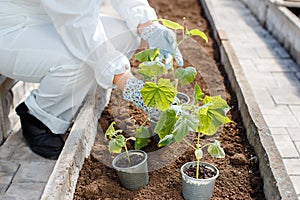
{"x":239,"y":175}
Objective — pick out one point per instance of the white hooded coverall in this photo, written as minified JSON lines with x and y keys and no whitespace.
{"x":66,"y":46}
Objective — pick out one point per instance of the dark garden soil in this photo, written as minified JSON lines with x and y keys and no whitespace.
{"x":239,"y":176}
{"x":204,"y":172}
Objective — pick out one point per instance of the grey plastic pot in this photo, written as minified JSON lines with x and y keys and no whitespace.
{"x":197,"y":189}
{"x":183,"y":98}
{"x":135,"y":177}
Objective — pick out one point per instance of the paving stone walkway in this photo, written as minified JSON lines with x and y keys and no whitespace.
{"x":23,"y":174}
{"x":272,"y":75}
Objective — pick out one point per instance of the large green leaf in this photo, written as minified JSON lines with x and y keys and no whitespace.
{"x":198,"y":93}
{"x":197,"y":32}
{"x":160,"y":96}
{"x":166,"y":122}
{"x":142,"y":135}
{"x":211,"y":117}
{"x":152,"y":69}
{"x":167,"y":140}
{"x":147,"y":55}
{"x":186,"y":75}
{"x":215,"y":150}
{"x":170,"y":24}
{"x":116,"y":144}
{"x":184,"y":124}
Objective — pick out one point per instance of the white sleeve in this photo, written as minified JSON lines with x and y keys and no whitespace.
{"x":80,"y":27}
{"x":134,"y":12}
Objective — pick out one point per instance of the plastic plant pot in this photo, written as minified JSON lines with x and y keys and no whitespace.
{"x":134,"y":177}
{"x":198,"y":189}
{"x":184,"y":98}
{"x":181,"y":97}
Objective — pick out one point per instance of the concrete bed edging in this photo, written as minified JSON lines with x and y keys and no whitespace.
{"x":62,"y":182}
{"x":277,"y":184}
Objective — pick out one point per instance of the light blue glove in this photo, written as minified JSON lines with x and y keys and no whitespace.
{"x":159,"y":36}
{"x":132,"y":93}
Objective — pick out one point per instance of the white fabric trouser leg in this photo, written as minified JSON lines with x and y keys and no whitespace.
{"x":39,"y":55}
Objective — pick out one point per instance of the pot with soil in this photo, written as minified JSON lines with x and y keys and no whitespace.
{"x":181,"y":98}
{"x":201,"y":188}
{"x":131,"y":165}
{"x":133,"y":175}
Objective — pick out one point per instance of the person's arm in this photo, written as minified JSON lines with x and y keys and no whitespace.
{"x":141,"y":27}
{"x":131,"y":88}
{"x":79,"y":25}
{"x":134,"y":12}
{"x":121,"y":79}
{"x":139,"y":16}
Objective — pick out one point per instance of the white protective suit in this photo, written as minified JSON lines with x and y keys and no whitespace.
{"x":66,"y":46}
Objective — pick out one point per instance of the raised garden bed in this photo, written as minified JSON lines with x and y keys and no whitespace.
{"x":239,"y":173}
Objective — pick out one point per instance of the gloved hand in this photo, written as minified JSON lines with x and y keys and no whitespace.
{"x":159,"y":36}
{"x":132,"y":93}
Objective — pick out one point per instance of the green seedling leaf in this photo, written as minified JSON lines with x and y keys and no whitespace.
{"x":184,"y":124}
{"x":170,"y":24}
{"x":144,"y":75}
{"x":198,"y":154}
{"x":215,"y":150}
{"x":197,"y":32}
{"x":166,"y":122}
{"x":211,"y":117}
{"x":142,"y":135}
{"x":111,"y":132}
{"x":116,"y":144}
{"x":152,"y":69}
{"x":159,"y":96}
{"x":147,"y":55}
{"x":198,"y":93}
{"x":167,"y":140}
{"x":186,"y":75}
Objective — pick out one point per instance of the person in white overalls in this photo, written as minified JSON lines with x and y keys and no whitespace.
{"x":67,"y":46}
